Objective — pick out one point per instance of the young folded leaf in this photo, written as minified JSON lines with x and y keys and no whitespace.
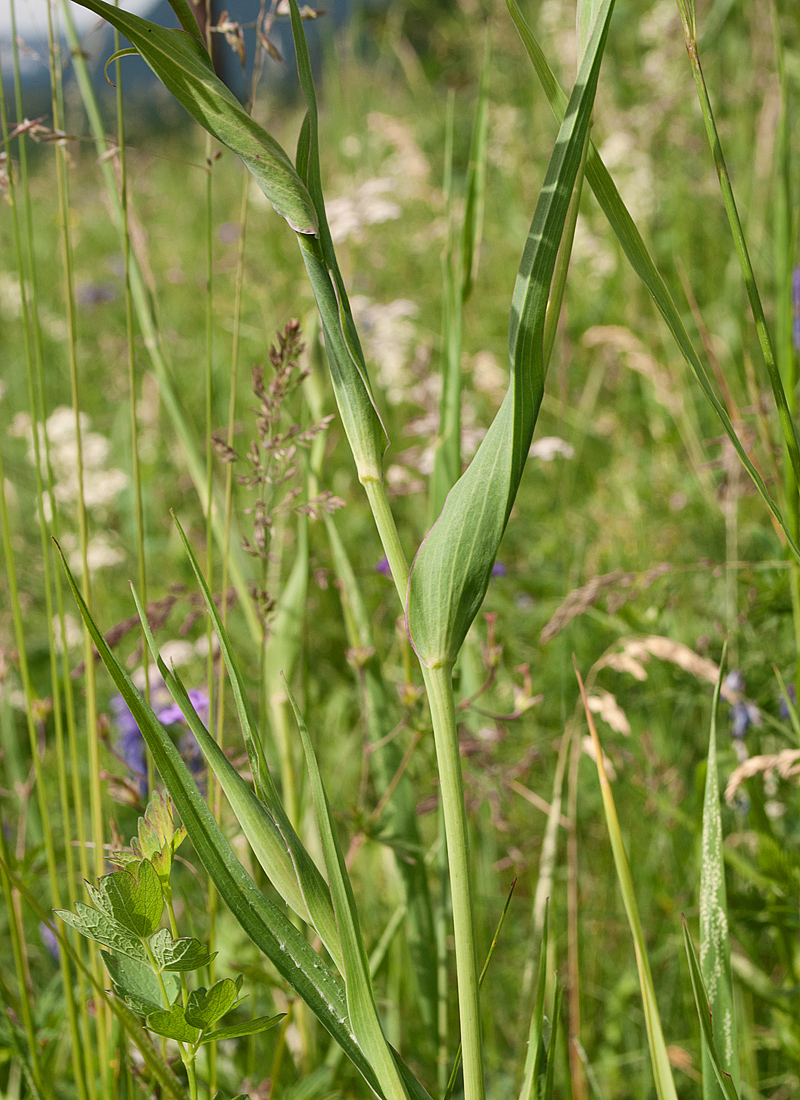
{"x":453,"y":567}
{"x":181,"y":62}
{"x":724,"y":1079}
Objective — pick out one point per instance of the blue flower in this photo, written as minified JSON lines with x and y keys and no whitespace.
{"x":499,"y":569}
{"x":383,"y":567}
{"x":784,"y":704}
{"x":50,"y":940}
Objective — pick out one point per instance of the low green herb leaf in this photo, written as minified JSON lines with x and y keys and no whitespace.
{"x":172,"y":1024}
{"x":158,"y":839}
{"x":182,"y":64}
{"x":206,"y":1006}
{"x":135,"y":897}
{"x":103,"y":929}
{"x":137,"y":982}
{"x":180,"y":954}
{"x":249,"y":1027}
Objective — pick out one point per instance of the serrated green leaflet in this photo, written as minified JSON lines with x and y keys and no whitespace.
{"x":180,"y":61}
{"x":453,"y":566}
{"x":135,"y":897}
{"x":269,"y":928}
{"x":715,"y":959}
{"x":136,"y":981}
{"x":248,"y":1027}
{"x":172,"y":1024}
{"x":206,"y":1006}
{"x":630,"y":239}
{"x":358,"y":985}
{"x":181,"y":954}
{"x":704,"y":1015}
{"x":103,"y":929}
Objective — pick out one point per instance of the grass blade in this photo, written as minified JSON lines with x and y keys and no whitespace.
{"x":630,"y":239}
{"x":269,"y":928}
{"x":358,"y":984}
{"x":715,"y":958}
{"x":662,"y":1073}
{"x":453,"y":566}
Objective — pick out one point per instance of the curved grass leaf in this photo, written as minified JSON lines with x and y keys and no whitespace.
{"x":182,"y":64}
{"x":361,"y":1005}
{"x":264,"y":923}
{"x":453,"y":567}
{"x":533,"y":1058}
{"x":351,"y":386}
{"x":630,"y":239}
{"x":268,"y":829}
{"x":247,"y":1027}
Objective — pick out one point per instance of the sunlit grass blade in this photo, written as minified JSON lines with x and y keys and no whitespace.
{"x":791,"y":436}
{"x":533,"y":1057}
{"x":453,"y":566}
{"x":292,"y":872}
{"x":358,"y":984}
{"x":269,"y":929}
{"x":630,"y":239}
{"x":662,"y":1073}
{"x":723,"y":1078}
{"x":715,"y":958}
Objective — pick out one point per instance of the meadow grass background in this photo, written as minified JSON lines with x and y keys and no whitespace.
{"x":640,"y":477}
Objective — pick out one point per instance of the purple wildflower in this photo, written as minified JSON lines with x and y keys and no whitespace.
{"x":499,"y":569}
{"x":784,"y":704}
{"x":130,"y":743}
{"x":383,"y":567}
{"x":743,"y":715}
{"x":734,"y":681}
{"x":50,"y":940}
{"x":199,"y":700}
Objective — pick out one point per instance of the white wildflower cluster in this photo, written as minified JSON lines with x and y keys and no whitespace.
{"x":404,"y":175}
{"x":367,"y":205}
{"x":389,"y":337}
{"x":101,"y":483}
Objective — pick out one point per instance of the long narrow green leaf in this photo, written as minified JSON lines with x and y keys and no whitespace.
{"x":313,"y":889}
{"x":715,"y":956}
{"x":704,"y":1014}
{"x":269,"y":928}
{"x":182,"y":64}
{"x":662,"y":1073}
{"x":629,"y":237}
{"x":358,"y":984}
{"x":263,"y":833}
{"x":351,"y":386}
{"x":453,"y":566}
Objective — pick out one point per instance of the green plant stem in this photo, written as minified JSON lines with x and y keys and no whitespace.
{"x":387,"y":530}
{"x":439,"y":685}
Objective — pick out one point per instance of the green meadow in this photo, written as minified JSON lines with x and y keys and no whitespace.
{"x":350,"y":746}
